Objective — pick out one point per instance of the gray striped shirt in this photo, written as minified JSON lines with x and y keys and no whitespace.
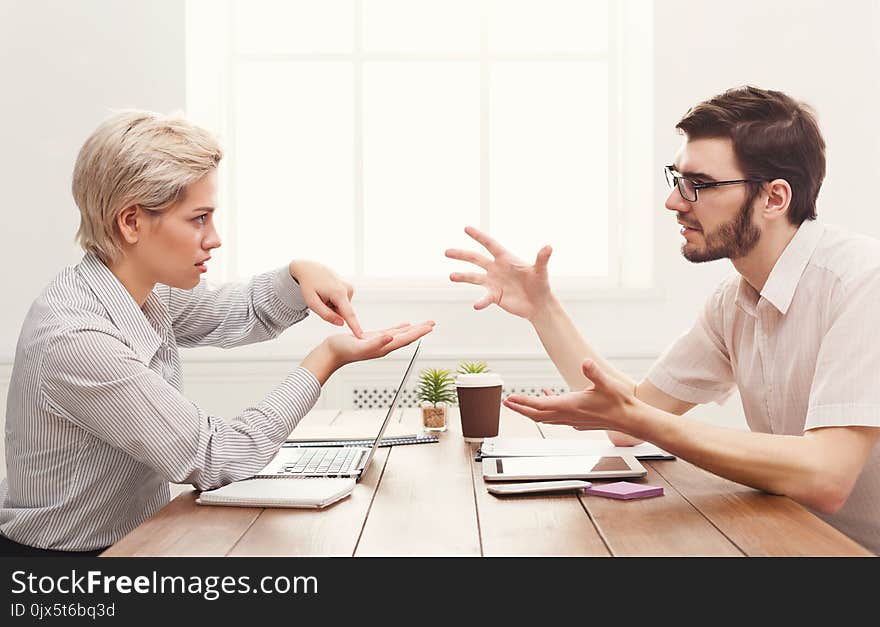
{"x":96,"y":424}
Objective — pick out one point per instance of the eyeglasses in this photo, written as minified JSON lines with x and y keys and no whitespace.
{"x":688,"y":188}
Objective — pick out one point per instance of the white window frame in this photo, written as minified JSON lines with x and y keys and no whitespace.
{"x":211,"y":85}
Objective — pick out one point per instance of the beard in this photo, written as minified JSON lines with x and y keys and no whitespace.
{"x":731,"y":240}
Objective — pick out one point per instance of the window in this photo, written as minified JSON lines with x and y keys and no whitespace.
{"x":368,"y":133}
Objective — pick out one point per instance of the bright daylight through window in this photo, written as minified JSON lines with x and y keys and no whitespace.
{"x":367,"y":133}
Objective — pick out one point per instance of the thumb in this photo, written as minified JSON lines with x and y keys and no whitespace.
{"x":488,"y":299}
{"x":543,"y":257}
{"x":594,"y":374}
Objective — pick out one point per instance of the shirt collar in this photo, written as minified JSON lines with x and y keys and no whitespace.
{"x":147,"y":327}
{"x":786,"y":273}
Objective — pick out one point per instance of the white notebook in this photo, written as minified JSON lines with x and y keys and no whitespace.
{"x":312,"y":493}
{"x":551,"y":447}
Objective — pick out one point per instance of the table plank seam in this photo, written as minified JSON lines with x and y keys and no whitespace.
{"x":581,"y":499}
{"x":244,"y":533}
{"x":701,"y":512}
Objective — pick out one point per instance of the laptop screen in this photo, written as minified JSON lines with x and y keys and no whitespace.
{"x":392,"y":407}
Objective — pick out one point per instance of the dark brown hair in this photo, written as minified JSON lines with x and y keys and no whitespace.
{"x":774,"y":137}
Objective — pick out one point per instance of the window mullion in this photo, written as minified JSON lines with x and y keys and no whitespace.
{"x":485,"y":199}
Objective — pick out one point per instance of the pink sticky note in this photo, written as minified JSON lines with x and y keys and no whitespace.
{"x":624,"y":490}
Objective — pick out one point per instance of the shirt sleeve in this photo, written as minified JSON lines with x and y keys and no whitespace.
{"x":696,"y":368}
{"x":94,"y":380}
{"x":845,"y":390}
{"x":236,"y":314}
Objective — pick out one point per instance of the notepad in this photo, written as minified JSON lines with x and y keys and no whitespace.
{"x":624,"y":490}
{"x":313,"y":493}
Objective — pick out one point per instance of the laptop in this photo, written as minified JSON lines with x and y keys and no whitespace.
{"x":334,"y":461}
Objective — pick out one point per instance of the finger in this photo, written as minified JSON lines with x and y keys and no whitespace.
{"x":469,"y":256}
{"x":542,"y":258}
{"x":396,"y":327}
{"x":529,"y":412}
{"x":388,"y":331}
{"x":473,"y":278}
{"x":326,"y":313}
{"x":483,"y":238}
{"x":415,"y":331}
{"x":594,"y":374}
{"x":535,"y":402}
{"x":402,"y":340}
{"x":488,"y":299}
{"x":408,"y":337}
{"x":392,"y":331}
{"x":347,"y":312}
{"x":378,"y":342}
{"x":548,"y":392}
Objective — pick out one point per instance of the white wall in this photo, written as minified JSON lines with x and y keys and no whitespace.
{"x":64,"y":64}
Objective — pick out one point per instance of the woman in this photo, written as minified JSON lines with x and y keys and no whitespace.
{"x":96,"y":423}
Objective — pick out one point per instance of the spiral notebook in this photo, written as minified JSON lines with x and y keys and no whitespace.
{"x":335,"y":435}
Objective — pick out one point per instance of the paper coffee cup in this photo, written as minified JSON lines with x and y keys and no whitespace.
{"x":479,"y":403}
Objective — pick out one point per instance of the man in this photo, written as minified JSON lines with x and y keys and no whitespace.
{"x":793,"y":330}
{"x":96,"y":422}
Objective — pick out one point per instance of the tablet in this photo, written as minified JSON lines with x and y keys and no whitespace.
{"x":562,"y":467}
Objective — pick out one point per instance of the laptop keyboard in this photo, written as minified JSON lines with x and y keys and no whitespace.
{"x":323,"y":461}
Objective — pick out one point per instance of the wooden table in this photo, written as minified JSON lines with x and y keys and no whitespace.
{"x":429,"y":499}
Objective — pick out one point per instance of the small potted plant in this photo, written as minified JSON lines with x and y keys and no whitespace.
{"x":435,"y":391}
{"x":472,"y":367}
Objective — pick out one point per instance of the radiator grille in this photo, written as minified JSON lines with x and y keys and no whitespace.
{"x":379,"y":397}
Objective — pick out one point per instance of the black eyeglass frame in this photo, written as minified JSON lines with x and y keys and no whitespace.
{"x":674,"y":179}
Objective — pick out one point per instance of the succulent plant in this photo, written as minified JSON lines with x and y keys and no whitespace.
{"x":472,"y":367}
{"x":436,"y":385}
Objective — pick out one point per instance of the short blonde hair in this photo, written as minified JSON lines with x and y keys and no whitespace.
{"x":135,"y":158}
